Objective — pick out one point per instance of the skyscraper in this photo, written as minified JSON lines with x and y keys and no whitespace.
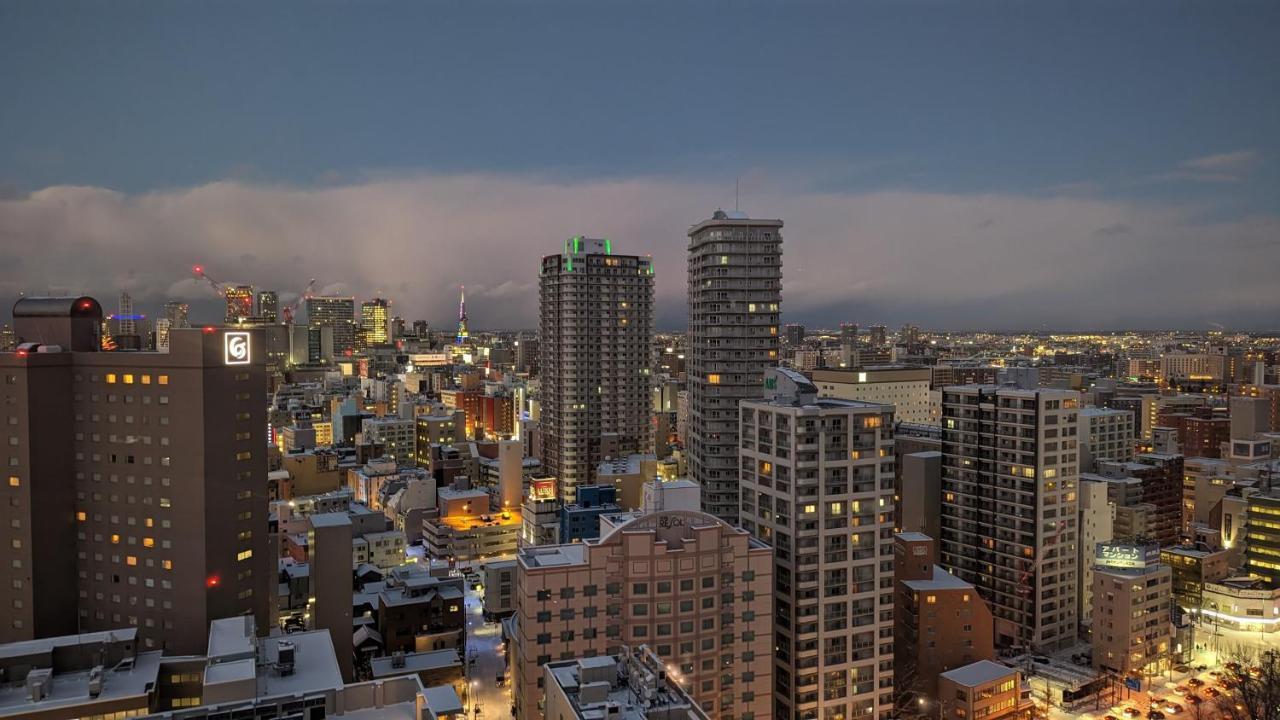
{"x":462,"y":316}
{"x":177,"y":314}
{"x":817,"y":484}
{"x":338,"y":313}
{"x":268,"y":306}
{"x":735,"y":286}
{"x":1009,"y":506}
{"x":596,"y":331}
{"x":239,"y":303}
{"x":375,"y":320}
{"x":126,"y":322}
{"x":154,"y":518}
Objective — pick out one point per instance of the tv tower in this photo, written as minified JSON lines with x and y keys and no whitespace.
{"x":462,"y":315}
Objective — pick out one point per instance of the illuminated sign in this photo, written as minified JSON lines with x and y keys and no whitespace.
{"x":235,"y":348}
{"x":1126,"y":556}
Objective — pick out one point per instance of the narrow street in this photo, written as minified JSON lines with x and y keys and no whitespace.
{"x":485,"y":663}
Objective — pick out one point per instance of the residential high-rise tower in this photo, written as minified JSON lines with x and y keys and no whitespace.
{"x":338,"y":313}
{"x":594,"y":351}
{"x":735,"y":293}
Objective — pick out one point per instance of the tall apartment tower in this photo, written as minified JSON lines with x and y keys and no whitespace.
{"x":268,"y":306}
{"x":594,"y":358}
{"x":1009,"y":507}
{"x":375,"y":320}
{"x":735,"y":293}
{"x":177,"y":314}
{"x":692,"y":587}
{"x":136,"y":481}
{"x":239,"y":303}
{"x":127,"y":323}
{"x":817,"y":485}
{"x":338,"y":313}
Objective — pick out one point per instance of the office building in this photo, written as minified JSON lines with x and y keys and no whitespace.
{"x":633,"y":685}
{"x":375,"y":321}
{"x":239,"y":303}
{"x":795,"y":334}
{"x":1193,"y":567}
{"x":735,"y":292}
{"x":940,"y":621}
{"x":817,"y":485}
{"x":1009,"y":507}
{"x":594,"y":352}
{"x":879,"y":335}
{"x":1262,"y":553}
{"x":145,"y":471}
{"x":694,"y":588}
{"x":268,"y":306}
{"x":338,"y":313}
{"x":126,"y":321}
{"x":905,"y":388}
{"x":398,"y":437}
{"x":1132,"y":630}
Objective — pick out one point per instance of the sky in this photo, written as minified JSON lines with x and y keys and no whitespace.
{"x":995,"y":165}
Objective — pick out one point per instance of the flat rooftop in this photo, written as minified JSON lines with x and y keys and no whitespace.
{"x":384,"y":666}
{"x":553,"y":555}
{"x":47,"y":645}
{"x":942,"y":580}
{"x":979,"y":673}
{"x":125,"y":681}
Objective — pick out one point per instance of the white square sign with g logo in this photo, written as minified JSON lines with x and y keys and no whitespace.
{"x":235,"y":348}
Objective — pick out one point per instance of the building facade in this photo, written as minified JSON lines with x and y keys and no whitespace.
{"x":817,"y":485}
{"x":136,"y":482}
{"x":594,"y":358}
{"x":338,"y":313}
{"x":1132,"y":594}
{"x":735,"y":294}
{"x":1009,"y":477}
{"x":695,"y":589}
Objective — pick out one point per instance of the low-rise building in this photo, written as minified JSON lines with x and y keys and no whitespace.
{"x":1132,"y":593}
{"x":633,"y":685}
{"x":499,"y":588}
{"x":985,"y":690}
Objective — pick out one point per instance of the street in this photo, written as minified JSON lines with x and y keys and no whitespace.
{"x":485,"y":662}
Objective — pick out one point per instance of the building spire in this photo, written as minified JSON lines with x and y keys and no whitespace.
{"x":462,"y":315}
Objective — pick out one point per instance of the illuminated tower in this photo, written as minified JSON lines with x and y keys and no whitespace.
{"x":239,"y":303}
{"x":375,"y":321}
{"x":462,"y":315}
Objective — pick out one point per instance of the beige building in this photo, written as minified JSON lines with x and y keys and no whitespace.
{"x":628,"y":475}
{"x":1132,"y":594}
{"x":694,"y":588}
{"x":136,"y":491}
{"x":985,"y":690}
{"x":1105,"y":434}
{"x":817,"y":483}
{"x":1097,"y":524}
{"x":905,"y":388}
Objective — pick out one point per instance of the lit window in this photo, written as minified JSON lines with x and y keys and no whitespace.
{"x":766,"y":467}
{"x":166,"y":564}
{"x":81,"y":516}
{"x":244,"y":555}
{"x":149,"y":522}
{"x":14,"y":481}
{"x":163,"y":379}
{"x":965,"y":597}
{"x":111,"y":378}
{"x":115,"y":539}
{"x":810,"y":508}
{"x":713,"y":378}
{"x":148,"y":542}
{"x":931,"y":599}
{"x":130,"y":560}
{"x":128,"y":378}
{"x":146,"y":379}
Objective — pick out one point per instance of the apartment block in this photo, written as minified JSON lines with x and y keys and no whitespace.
{"x":905,"y":388}
{"x":694,"y":588}
{"x":817,"y":484}
{"x":136,"y":481}
{"x":1132,"y":629}
{"x":1009,"y":474}
{"x":594,"y":358}
{"x":1105,"y":435}
{"x":735,"y":294}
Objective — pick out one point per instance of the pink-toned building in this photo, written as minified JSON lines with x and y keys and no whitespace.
{"x":695,"y":589}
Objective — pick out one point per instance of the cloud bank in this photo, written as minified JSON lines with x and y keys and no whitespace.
{"x":957,"y":261}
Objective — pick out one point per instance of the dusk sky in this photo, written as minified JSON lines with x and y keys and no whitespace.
{"x":955,"y":165}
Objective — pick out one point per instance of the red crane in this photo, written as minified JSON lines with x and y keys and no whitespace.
{"x":288,"y":310}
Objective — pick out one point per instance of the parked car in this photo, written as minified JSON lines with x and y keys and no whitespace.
{"x":1173,"y":707}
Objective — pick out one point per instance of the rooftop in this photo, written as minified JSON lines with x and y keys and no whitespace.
{"x":129,"y":679}
{"x":415,"y":662}
{"x":553,"y":555}
{"x":47,"y":645}
{"x":979,"y":673}
{"x":942,"y":580}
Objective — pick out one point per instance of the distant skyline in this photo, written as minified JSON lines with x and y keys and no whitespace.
{"x":995,"y":165}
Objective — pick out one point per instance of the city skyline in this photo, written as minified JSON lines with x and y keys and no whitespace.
{"x":972,"y":152}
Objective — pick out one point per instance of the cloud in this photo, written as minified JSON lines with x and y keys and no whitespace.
{"x":894,"y":256}
{"x":1221,"y":167}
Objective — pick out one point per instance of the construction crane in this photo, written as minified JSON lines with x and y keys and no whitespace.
{"x":198,"y":271}
{"x":288,"y":310}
